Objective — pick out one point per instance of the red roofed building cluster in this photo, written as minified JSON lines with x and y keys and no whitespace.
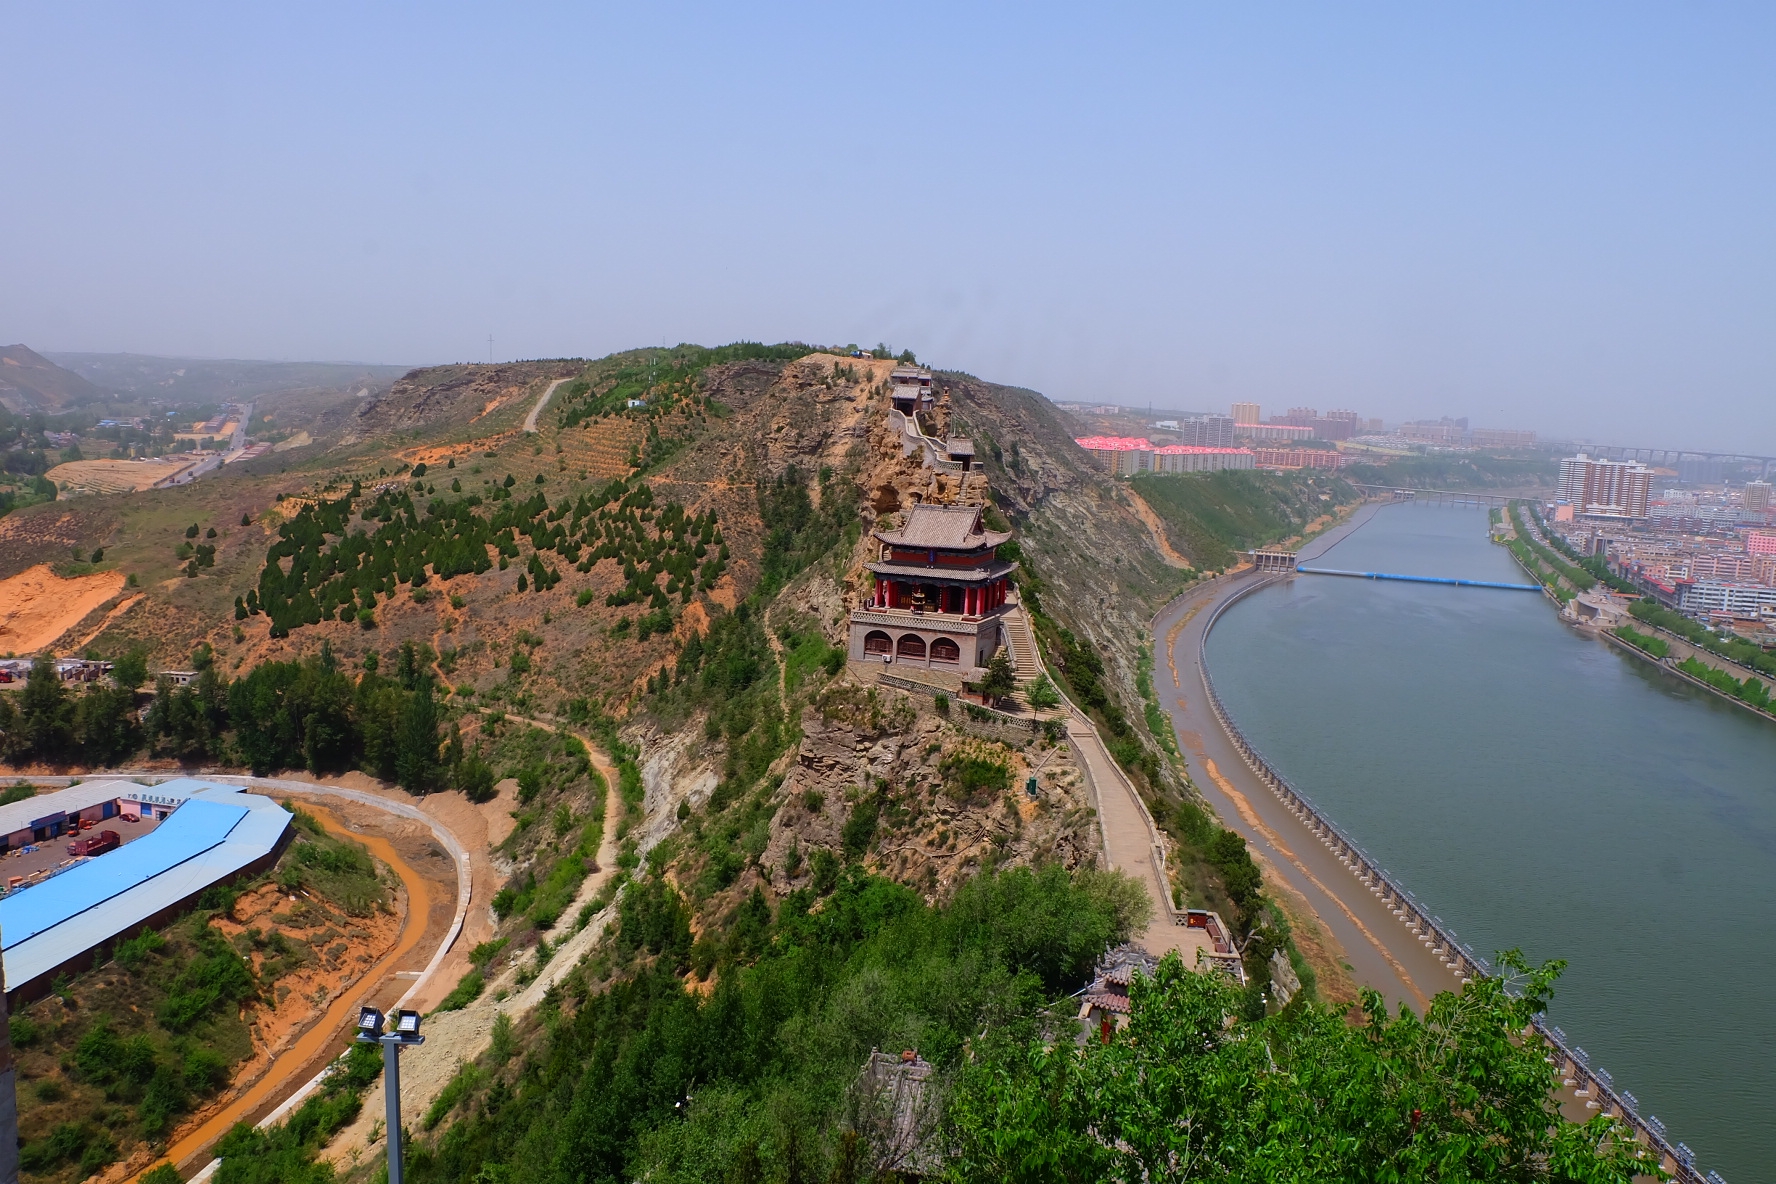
{"x":1123,"y":456}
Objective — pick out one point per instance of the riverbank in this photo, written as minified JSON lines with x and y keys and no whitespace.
{"x":1495,"y":764}
{"x":1668,"y":667}
{"x":1680,"y":648}
{"x":1374,"y":946}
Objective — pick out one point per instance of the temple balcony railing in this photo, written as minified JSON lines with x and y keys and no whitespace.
{"x":906,"y":618}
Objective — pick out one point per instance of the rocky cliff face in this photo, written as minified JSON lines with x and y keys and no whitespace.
{"x":896,"y":781}
{"x":877,"y":777}
{"x":873,"y":773}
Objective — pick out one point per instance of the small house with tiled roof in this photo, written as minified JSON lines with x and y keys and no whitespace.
{"x":1104,"y":1006}
{"x":940,"y":590}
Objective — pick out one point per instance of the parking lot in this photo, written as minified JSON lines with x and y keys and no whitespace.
{"x":54,"y":853}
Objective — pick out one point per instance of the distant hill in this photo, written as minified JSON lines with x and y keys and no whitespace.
{"x":31,"y":382}
{"x":215,"y":380}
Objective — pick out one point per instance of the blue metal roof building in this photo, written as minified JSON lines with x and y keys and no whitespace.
{"x":217,"y":834}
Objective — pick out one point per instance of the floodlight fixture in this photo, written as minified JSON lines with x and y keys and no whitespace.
{"x":403,"y":1032}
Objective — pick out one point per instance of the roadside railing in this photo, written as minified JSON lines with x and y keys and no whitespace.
{"x":1594,"y":1085}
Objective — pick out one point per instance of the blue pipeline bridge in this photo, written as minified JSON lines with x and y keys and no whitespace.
{"x":1382,"y":575}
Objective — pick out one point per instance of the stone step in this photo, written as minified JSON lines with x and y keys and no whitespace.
{"x":1023,"y":645}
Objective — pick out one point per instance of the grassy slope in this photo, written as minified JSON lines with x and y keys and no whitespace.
{"x":1211,"y":516}
{"x":1477,"y":471}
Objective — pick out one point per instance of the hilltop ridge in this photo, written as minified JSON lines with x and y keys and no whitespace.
{"x":31,"y":382}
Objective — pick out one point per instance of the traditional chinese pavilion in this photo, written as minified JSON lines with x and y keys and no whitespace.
{"x":940,"y":591}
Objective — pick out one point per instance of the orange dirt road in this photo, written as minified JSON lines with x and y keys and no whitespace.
{"x":299,"y":1055}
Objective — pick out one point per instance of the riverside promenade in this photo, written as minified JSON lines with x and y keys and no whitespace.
{"x":1363,"y":931}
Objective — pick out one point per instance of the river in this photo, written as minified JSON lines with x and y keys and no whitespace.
{"x":1537,"y":789}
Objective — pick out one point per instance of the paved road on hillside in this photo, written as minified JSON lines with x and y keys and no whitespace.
{"x":1129,"y":844}
{"x":530,"y":421}
{"x":1380,"y":950}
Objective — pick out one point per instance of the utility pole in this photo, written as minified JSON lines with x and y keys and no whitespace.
{"x":490,"y":349}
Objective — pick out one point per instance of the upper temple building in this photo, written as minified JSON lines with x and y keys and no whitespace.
{"x":940,"y":592}
{"x":910,"y":389}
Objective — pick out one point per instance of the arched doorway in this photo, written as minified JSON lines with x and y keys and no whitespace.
{"x":946,"y":651}
{"x":910,"y":648}
{"x":877,"y":642}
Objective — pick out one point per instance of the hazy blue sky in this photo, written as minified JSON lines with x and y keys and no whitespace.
{"x":1559,"y":216}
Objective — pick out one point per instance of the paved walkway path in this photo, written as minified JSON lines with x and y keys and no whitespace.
{"x":1130,"y":843}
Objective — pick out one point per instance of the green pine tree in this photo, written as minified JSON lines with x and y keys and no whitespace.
{"x":416,"y":753}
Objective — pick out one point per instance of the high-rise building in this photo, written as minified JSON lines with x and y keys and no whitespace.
{"x":1245,"y":413}
{"x":1605,"y":488}
{"x":1341,"y":425}
{"x":1757,"y":495}
{"x":1207,"y":431}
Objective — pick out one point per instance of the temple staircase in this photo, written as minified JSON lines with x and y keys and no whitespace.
{"x":1021,"y":640}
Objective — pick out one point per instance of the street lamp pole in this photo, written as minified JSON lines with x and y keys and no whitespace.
{"x":405,"y":1032}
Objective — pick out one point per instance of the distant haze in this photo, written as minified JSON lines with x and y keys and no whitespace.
{"x":1554,"y":217}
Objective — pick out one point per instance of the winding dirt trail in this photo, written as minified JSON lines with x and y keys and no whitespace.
{"x":455,"y":1037}
{"x":323,"y":1032}
{"x":530,"y":421}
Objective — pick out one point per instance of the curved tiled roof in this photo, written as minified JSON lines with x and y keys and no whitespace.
{"x":948,"y":528}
